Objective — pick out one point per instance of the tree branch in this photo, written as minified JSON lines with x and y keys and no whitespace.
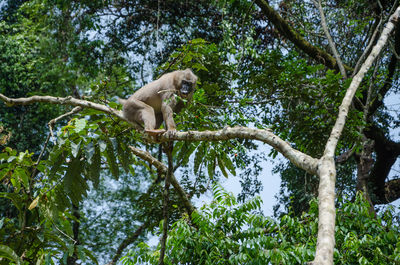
{"x":129,"y":240}
{"x":286,"y":30}
{"x":164,"y":169}
{"x":327,"y":170}
{"x":66,"y":101}
{"x":298,"y":158}
{"x":53,"y":121}
{"x":332,"y":45}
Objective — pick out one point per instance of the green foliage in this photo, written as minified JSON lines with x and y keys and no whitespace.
{"x":8,"y":253}
{"x":225,"y":232}
{"x":298,"y":187}
{"x":39,"y":210}
{"x":247,"y":77}
{"x":24,"y":71}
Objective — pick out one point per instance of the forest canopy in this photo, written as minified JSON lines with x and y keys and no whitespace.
{"x":317,"y":81}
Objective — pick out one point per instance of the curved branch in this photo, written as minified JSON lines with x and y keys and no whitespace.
{"x":298,"y":158}
{"x":127,"y":241}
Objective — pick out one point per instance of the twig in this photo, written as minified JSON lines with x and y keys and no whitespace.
{"x":166,"y":90}
{"x":163,"y":169}
{"x":53,"y":121}
{"x":126,"y":242}
{"x":329,"y":37}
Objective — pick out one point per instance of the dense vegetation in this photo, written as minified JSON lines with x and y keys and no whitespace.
{"x":75,"y":188}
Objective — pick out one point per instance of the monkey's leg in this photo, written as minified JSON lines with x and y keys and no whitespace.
{"x":159,"y":120}
{"x":151,"y":120}
{"x":138,"y":111}
{"x":155,"y":132}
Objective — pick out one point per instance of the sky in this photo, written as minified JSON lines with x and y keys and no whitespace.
{"x":271,"y":183}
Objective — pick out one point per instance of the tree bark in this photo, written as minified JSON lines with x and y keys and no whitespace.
{"x":327,"y":170}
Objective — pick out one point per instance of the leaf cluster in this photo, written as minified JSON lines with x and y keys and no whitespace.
{"x":224,"y":232}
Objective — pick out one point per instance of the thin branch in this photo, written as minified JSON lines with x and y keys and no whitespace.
{"x":34,"y":172}
{"x":290,"y":33}
{"x":66,"y":101}
{"x":368,"y":48}
{"x":55,"y":120}
{"x":163,"y":168}
{"x":168,"y":150}
{"x":126,"y":242}
{"x":329,"y":37}
{"x":346,"y":155}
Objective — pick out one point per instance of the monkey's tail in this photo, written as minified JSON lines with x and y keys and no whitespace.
{"x":121,"y":101}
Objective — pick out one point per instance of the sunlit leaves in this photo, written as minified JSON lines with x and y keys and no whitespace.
{"x":9,"y":254}
{"x":226,"y":232}
{"x":16,"y":167}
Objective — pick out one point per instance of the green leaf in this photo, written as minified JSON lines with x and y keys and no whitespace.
{"x":4,"y":173}
{"x":89,"y":152}
{"x":199,"y":156}
{"x":56,"y":160}
{"x":9,"y":254}
{"x":228,"y":163}
{"x":198,"y":67}
{"x":123,"y":156}
{"x":112,"y":163}
{"x":185,"y":152}
{"x":15,"y":198}
{"x":94,"y":168}
{"x":21,"y":156}
{"x":74,"y":185}
{"x":75,"y":148}
{"x":198,"y":41}
{"x":21,"y":173}
{"x":90,"y":255}
{"x":211,"y":164}
{"x":103,"y":146}
{"x":11,"y":158}
{"x":222,"y":167}
{"x":80,"y":124}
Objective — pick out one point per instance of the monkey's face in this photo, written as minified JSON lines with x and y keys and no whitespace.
{"x":187,"y":87}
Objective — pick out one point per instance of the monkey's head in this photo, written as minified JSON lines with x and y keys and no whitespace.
{"x":187,"y":83}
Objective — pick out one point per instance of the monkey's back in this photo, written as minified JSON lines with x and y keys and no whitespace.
{"x":152,"y":93}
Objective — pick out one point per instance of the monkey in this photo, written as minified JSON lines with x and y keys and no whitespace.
{"x":155,"y":102}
